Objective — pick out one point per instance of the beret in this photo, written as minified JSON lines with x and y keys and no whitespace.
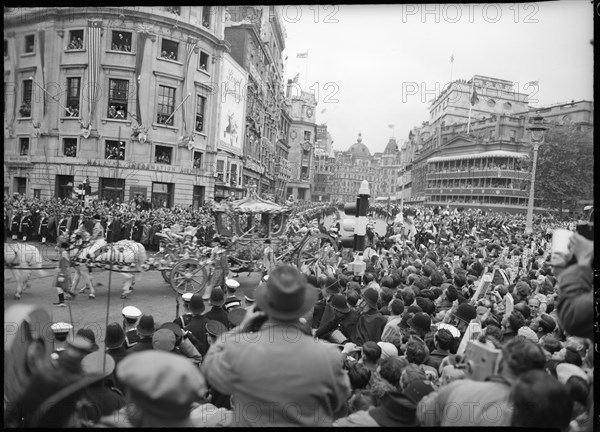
{"x":164,"y":339}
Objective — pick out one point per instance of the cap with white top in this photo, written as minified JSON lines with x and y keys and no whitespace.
{"x":232,"y":283}
{"x":131,"y":312}
{"x":187,"y":297}
{"x":61,"y":328}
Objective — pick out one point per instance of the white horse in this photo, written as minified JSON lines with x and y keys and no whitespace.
{"x":124,"y":255}
{"x":22,"y":255}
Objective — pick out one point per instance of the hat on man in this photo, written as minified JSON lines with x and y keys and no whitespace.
{"x":217,"y":297}
{"x":98,"y":363}
{"x":387,"y":350}
{"x":421,"y":322}
{"x":249,"y":296}
{"x":89,"y":335}
{"x":146,"y":325}
{"x":417,"y":390}
{"x":115,"y":336}
{"x":232,"y":284}
{"x":215,"y":328}
{"x":528,"y":334}
{"x":340,"y":303}
{"x":235,"y":316}
{"x":426,"y":305}
{"x":197,"y":304}
{"x":131,"y":313}
{"x":371,"y":296}
{"x":547,"y":323}
{"x":187,"y":297}
{"x":164,"y":384}
{"x":61,"y":330}
{"x":453,"y":330}
{"x":287,"y":295}
{"x":164,"y":339}
{"x":564,"y":371}
{"x":396,"y":409}
{"x":452,"y":293}
{"x":465,"y":312}
{"x":333,"y":288}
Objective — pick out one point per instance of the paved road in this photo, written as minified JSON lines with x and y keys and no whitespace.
{"x":151,"y":294}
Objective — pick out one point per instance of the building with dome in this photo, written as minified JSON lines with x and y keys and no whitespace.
{"x":351,"y":167}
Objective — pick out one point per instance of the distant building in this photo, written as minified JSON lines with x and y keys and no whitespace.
{"x":302,"y":143}
{"x":482,"y":162}
{"x":351,"y":168}
{"x":136,"y":108}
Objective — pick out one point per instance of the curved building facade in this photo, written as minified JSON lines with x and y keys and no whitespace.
{"x":126,"y":97}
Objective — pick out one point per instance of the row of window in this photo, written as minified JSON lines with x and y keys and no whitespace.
{"x":121,"y":41}
{"x":118,"y":102}
{"x":115,"y":150}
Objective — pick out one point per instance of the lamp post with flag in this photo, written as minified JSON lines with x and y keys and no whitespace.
{"x":537,"y":130}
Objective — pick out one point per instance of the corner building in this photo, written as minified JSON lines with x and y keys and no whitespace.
{"x":128,"y":97}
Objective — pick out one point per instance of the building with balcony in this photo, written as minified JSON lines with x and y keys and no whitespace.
{"x":485,"y":162}
{"x":302,"y":143}
{"x":257,"y":38}
{"x":128,"y":99}
{"x":351,"y":167}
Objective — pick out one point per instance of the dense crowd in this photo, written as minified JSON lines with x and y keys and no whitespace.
{"x":457,"y":318}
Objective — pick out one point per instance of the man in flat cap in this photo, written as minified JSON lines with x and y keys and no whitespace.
{"x":241,"y":364}
{"x":161,"y":388}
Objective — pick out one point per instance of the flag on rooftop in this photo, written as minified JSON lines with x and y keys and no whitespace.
{"x":302,"y":55}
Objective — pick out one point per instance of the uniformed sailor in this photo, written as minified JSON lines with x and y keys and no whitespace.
{"x":131,"y":315}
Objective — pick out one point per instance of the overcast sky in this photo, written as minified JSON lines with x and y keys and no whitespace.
{"x":368,"y":61}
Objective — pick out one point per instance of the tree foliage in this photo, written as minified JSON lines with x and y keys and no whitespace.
{"x":565,"y":167}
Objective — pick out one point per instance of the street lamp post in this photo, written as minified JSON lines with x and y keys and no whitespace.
{"x":537,"y":130}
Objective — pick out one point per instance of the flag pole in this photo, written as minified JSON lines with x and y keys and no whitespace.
{"x":306,"y":72}
{"x":451,"y":66}
{"x":470,"y":106}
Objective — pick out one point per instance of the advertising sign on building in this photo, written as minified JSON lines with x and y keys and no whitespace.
{"x":233,"y":105}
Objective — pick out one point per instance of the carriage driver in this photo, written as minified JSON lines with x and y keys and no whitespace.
{"x":98,"y":230}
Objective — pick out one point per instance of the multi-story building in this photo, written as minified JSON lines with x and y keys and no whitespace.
{"x":302,"y":143}
{"x":352,"y":166}
{"x":257,"y":38}
{"x":127,"y":96}
{"x":323,"y":174}
{"x":475,"y":149}
{"x":323,"y":139}
{"x":390,"y":170}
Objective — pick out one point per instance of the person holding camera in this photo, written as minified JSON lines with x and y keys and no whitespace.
{"x":308,"y":374}
{"x":482,"y":403}
{"x":575,"y":295}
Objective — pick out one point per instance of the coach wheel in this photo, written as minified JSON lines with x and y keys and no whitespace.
{"x":188,"y":276}
{"x":166,"y":276}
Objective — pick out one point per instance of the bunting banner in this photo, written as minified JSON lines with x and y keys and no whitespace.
{"x":189,"y":51}
{"x":139,"y":61}
{"x":41,"y":38}
{"x":94,"y":39}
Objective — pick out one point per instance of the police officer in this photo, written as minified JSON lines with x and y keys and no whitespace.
{"x":131,"y":314}
{"x":183,"y":320}
{"x":249,"y":298}
{"x":15,"y":225}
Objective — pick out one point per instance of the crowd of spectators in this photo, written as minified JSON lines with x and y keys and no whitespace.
{"x":475,"y":326}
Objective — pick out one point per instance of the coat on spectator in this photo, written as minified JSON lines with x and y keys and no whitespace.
{"x":575,"y":301}
{"x":277,"y":368}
